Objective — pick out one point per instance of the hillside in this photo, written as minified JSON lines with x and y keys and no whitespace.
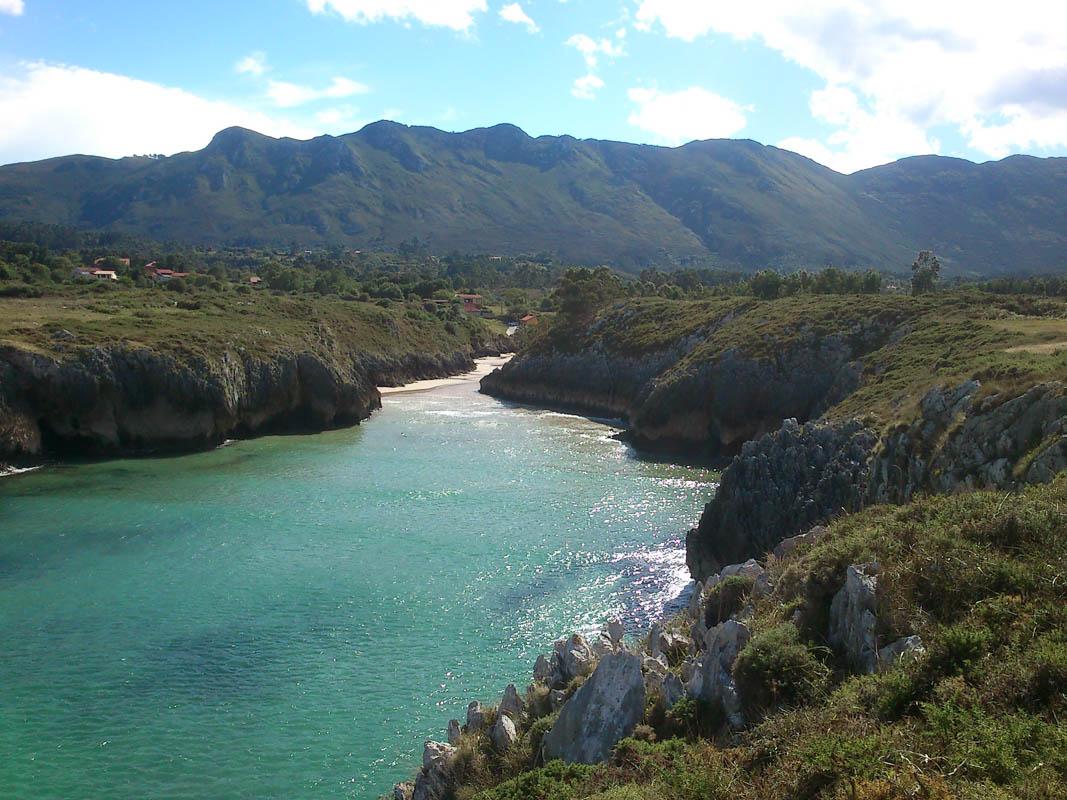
{"x":825,"y":404}
{"x":497,"y":190}
{"x":85,"y":372}
{"x":769,"y":686}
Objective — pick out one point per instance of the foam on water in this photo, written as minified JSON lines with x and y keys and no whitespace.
{"x":293,"y":616}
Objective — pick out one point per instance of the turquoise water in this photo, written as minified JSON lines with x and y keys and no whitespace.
{"x":291,"y":617}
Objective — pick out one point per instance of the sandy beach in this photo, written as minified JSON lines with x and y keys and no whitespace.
{"x":483,"y":368}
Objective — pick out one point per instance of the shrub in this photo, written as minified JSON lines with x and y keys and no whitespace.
{"x":554,"y":781}
{"x":726,"y":599}
{"x":20,"y":290}
{"x":776,"y":668}
{"x":957,"y":648}
{"x":692,"y":718}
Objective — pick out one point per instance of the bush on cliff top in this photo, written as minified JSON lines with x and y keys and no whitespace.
{"x":983,"y":714}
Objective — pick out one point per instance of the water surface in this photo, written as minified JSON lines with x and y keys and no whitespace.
{"x":291,"y":617}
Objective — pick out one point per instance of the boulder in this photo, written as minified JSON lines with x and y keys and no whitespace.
{"x":503,"y":733}
{"x":511,"y":704}
{"x":673,"y":690}
{"x":852,"y":617}
{"x":654,"y":636}
{"x":657,"y":665}
{"x":454,"y":731}
{"x":615,"y":631}
{"x":574,"y":657}
{"x":604,"y":710}
{"x":544,"y":670}
{"x":892,"y":654}
{"x":712,"y":679}
{"x":437,"y":754}
{"x":673,"y":645}
{"x":787,"y":547}
{"x":404,"y":791}
{"x":475,"y":717}
{"x":695,"y":607}
{"x":434,"y":781}
{"x":601,"y":645}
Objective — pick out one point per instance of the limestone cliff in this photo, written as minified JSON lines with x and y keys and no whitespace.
{"x":816,"y":401}
{"x":119,"y":400}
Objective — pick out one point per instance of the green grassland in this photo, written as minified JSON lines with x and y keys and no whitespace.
{"x":208,"y":323}
{"x":905,"y":344}
{"x":981,"y":577}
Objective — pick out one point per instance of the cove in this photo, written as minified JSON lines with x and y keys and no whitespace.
{"x":292,"y":617}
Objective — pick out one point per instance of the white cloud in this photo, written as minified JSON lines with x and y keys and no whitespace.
{"x":12,"y":7}
{"x":863,"y":137}
{"x":586,"y":87}
{"x":513,"y":12}
{"x":252,"y":64}
{"x":455,"y":14}
{"x":53,"y":109}
{"x":287,"y":94}
{"x":997,"y":75}
{"x":693,"y":113}
{"x":592,"y":49}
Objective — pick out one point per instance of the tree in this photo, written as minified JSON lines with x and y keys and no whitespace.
{"x":925,"y":273}
{"x":765,"y":284}
{"x":582,"y":292}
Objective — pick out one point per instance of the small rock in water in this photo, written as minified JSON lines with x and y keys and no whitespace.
{"x":615,"y":631}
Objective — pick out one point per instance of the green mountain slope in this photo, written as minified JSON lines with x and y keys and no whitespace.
{"x":734,"y":203}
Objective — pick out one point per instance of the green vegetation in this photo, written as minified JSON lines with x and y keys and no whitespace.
{"x":496,"y":190}
{"x":204,"y":322}
{"x":904,"y":344}
{"x":978,"y":715}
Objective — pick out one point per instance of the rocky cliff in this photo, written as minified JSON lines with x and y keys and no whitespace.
{"x":815,"y":399}
{"x":119,"y":400}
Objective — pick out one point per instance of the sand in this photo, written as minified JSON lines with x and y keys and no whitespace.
{"x":483,"y":368}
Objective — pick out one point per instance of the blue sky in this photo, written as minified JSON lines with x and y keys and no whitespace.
{"x":851,"y":83}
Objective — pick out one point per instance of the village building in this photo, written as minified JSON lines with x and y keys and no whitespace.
{"x":162,"y":274}
{"x":92,"y":274}
{"x":472,"y":303}
{"x":528,"y":320}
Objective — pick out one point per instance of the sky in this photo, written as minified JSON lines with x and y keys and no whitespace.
{"x":849,"y":83}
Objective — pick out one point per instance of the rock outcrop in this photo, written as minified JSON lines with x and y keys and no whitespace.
{"x":123,"y":400}
{"x":434,"y":780}
{"x":803,"y":475}
{"x":853,"y":617}
{"x":712,"y":679}
{"x":780,"y":485}
{"x":604,"y":710}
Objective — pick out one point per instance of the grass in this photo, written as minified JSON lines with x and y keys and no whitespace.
{"x":981,"y":577}
{"x":904,"y":345}
{"x":207,"y":323}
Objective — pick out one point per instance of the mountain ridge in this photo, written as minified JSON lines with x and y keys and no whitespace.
{"x":722,"y":202}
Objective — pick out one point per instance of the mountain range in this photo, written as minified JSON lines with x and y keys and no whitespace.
{"x":730,"y":203}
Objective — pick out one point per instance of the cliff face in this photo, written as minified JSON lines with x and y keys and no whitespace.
{"x":107,"y":401}
{"x":692,"y":396}
{"x":818,"y":411}
{"x":801,"y":476}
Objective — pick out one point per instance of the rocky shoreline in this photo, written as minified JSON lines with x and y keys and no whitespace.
{"x":771,"y":408}
{"x":112,"y":401}
{"x":588,"y":694}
